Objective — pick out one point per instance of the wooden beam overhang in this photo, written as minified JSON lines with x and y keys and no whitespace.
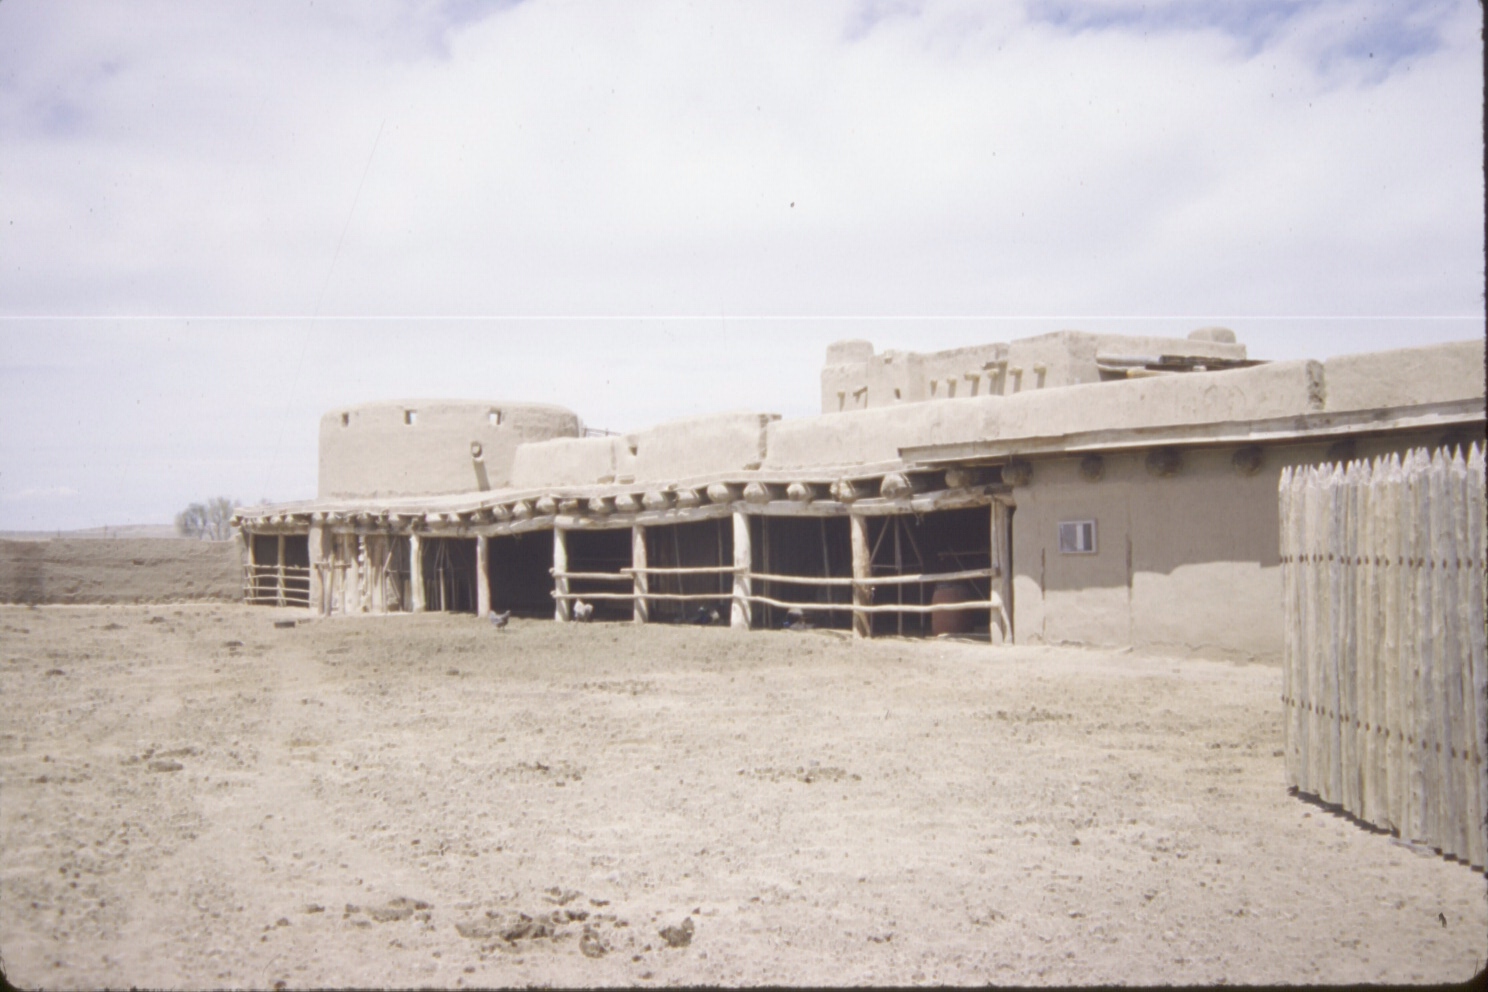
{"x":1297,"y":429}
{"x":912,"y":488}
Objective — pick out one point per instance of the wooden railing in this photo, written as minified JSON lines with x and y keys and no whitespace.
{"x":276,"y":585}
{"x":627,"y":575}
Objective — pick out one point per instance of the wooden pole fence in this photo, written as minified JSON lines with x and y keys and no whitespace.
{"x":1384,"y":677}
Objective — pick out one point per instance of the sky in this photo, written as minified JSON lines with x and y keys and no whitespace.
{"x":218,"y":221}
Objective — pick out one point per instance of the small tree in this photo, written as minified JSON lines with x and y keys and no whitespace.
{"x":192,"y":521}
{"x":210,"y":521}
{"x":219,"y":518}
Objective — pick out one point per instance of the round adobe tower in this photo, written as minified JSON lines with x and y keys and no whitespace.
{"x":428,"y":447}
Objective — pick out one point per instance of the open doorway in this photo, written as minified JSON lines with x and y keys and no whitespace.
{"x":280,"y":575}
{"x":521,"y":574}
{"x":449,"y":574}
{"x":930,"y":544}
{"x":811,"y":547}
{"x":700,"y":544}
{"x":389,"y":559}
{"x":605,"y":552}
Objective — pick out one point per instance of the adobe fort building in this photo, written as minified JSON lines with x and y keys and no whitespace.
{"x":1067,"y":488}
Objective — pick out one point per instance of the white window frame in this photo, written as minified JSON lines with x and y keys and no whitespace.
{"x":1072,"y":534}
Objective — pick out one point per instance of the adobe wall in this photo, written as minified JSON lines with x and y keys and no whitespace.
{"x":1186,"y":564}
{"x":1278,"y":389}
{"x":700,"y":446}
{"x":875,"y":435}
{"x":852,"y":381}
{"x":854,"y":378}
{"x":670,"y":452}
{"x":374,"y":450}
{"x":577,"y":461}
{"x":1405,"y":377}
{"x":868,"y":437}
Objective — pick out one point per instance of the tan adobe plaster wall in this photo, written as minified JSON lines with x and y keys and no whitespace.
{"x":665,"y":453}
{"x":1260,"y":392}
{"x":570,"y":462}
{"x":372,"y":450}
{"x":876,"y":435}
{"x":866,"y":437}
{"x":954,"y":374}
{"x":854,"y":378}
{"x":1405,"y":377}
{"x":1186,"y":564}
{"x":701,"y":445}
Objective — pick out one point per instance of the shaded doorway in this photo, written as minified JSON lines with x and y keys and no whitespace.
{"x":449,"y":574}
{"x":605,"y":552}
{"x":521,"y":577}
{"x":700,"y":544}
{"x":811,"y":547}
{"x":930,"y":544}
{"x":280,"y":571}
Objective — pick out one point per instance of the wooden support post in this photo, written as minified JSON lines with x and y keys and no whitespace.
{"x":741,"y":612}
{"x":316,"y":542}
{"x":279,"y":592}
{"x":638,"y":562}
{"x":363,"y":573}
{"x":348,"y":572}
{"x":561,"y":609}
{"x":250,"y":591}
{"x":862,"y":622}
{"x":482,"y":574}
{"x":1001,"y":625}
{"x":416,"y":572}
{"x":376,"y":574}
{"x":897,"y":522}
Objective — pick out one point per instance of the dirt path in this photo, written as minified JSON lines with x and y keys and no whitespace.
{"x":194,"y":798}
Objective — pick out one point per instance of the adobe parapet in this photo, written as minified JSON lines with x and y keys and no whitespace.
{"x":855,"y":378}
{"x":669,"y":452}
{"x":428,"y":447}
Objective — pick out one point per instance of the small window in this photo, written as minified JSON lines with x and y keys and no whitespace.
{"x":345,"y":420}
{"x":1077,"y":537}
{"x":493,"y":417}
{"x":410,"y":417}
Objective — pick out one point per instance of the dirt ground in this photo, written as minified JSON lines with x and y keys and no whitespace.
{"x":196,"y":798}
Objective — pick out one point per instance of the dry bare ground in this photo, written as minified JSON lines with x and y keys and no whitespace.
{"x":195,"y":798}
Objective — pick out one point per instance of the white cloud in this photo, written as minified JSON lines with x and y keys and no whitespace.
{"x":561,"y":157}
{"x":886,"y":157}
